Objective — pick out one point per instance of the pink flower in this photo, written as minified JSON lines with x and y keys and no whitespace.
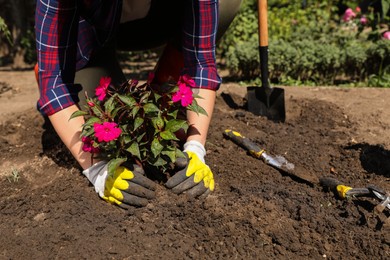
{"x":363,"y":20}
{"x":348,"y":15}
{"x":88,"y":145}
{"x":186,"y":79}
{"x":107,"y":131}
{"x":133,"y":82}
{"x":386,"y":35}
{"x":184,"y":94}
{"x":101,"y":90}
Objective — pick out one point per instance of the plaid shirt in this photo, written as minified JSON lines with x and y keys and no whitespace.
{"x":68,"y":32}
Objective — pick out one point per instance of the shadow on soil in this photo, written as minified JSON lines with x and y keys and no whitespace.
{"x":374,"y":158}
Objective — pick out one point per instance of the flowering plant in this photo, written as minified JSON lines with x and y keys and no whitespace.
{"x":355,"y":19}
{"x":137,"y":123}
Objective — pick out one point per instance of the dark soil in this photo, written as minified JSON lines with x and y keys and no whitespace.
{"x":49,"y":210}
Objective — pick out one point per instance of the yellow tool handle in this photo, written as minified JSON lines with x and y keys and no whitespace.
{"x":244,"y":142}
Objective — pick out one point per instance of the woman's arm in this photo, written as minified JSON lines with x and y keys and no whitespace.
{"x":199,"y":37}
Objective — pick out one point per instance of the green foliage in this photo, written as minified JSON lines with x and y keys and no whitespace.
{"x":311,"y":44}
{"x":28,"y":44}
{"x":148,"y":119}
{"x":4,"y":32}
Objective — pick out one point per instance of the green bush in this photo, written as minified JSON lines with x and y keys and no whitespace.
{"x":306,"y":45}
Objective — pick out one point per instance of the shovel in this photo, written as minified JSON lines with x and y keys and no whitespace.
{"x":277,"y":161}
{"x":265,"y":100}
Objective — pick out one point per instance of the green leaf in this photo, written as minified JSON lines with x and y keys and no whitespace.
{"x":129,"y":101}
{"x":115,"y":112}
{"x":168,"y":135}
{"x":97,"y":111}
{"x":114,"y":164}
{"x":170,"y":154}
{"x":109,"y":105}
{"x":126,"y":139}
{"x":157,"y":161}
{"x":156,"y":147}
{"x":88,"y":131}
{"x":385,"y":7}
{"x":174,"y":113}
{"x":145,"y":97}
{"x":150,"y":108}
{"x":196,"y":108}
{"x":179,"y":153}
{"x":134,"y":111}
{"x":158,"y":122}
{"x":78,"y":113}
{"x":91,"y":121}
{"x":134,"y":150}
{"x":176,"y":124}
{"x":156,"y":97}
{"x":138,"y":122}
{"x":139,"y":137}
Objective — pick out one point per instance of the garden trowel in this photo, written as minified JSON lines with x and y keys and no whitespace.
{"x":276,"y":161}
{"x":265,"y":100}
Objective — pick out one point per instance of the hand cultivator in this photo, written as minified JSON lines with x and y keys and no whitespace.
{"x":346,"y":192}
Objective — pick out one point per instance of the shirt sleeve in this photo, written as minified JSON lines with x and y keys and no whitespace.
{"x":56,"y":40}
{"x":199,"y":37}
{"x":68,"y":32}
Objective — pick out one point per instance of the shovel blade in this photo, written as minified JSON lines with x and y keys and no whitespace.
{"x":268,"y":102}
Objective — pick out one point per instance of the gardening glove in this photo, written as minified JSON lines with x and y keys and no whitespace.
{"x":195,"y":178}
{"x":127,"y":187}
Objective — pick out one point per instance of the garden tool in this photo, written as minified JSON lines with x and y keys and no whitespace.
{"x":344,"y":192}
{"x":276,"y":161}
{"x":265,"y":100}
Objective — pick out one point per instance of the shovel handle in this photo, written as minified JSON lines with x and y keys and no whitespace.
{"x":244,"y":142}
{"x":263,"y":42}
{"x":263,"y":22}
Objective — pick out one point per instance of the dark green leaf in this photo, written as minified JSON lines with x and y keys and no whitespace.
{"x":91,"y":121}
{"x":170,"y":154}
{"x":78,"y":113}
{"x":173,"y":113}
{"x":139,"y":137}
{"x":158,"y":122}
{"x":88,"y":131}
{"x":168,"y":135}
{"x":176,"y":124}
{"x":145,"y":97}
{"x":97,"y":111}
{"x":156,"y":147}
{"x":156,"y":97}
{"x":196,"y":108}
{"x":134,"y":150}
{"x":138,"y":122}
{"x":115,"y":112}
{"x":134,"y":111}
{"x":126,"y":139}
{"x":179,"y":153}
{"x":129,"y":101}
{"x":150,"y":108}
{"x":114,"y":164}
{"x":109,"y":105}
{"x":157,"y":161}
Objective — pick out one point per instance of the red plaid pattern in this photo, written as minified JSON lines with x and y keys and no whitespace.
{"x":69,"y":32}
